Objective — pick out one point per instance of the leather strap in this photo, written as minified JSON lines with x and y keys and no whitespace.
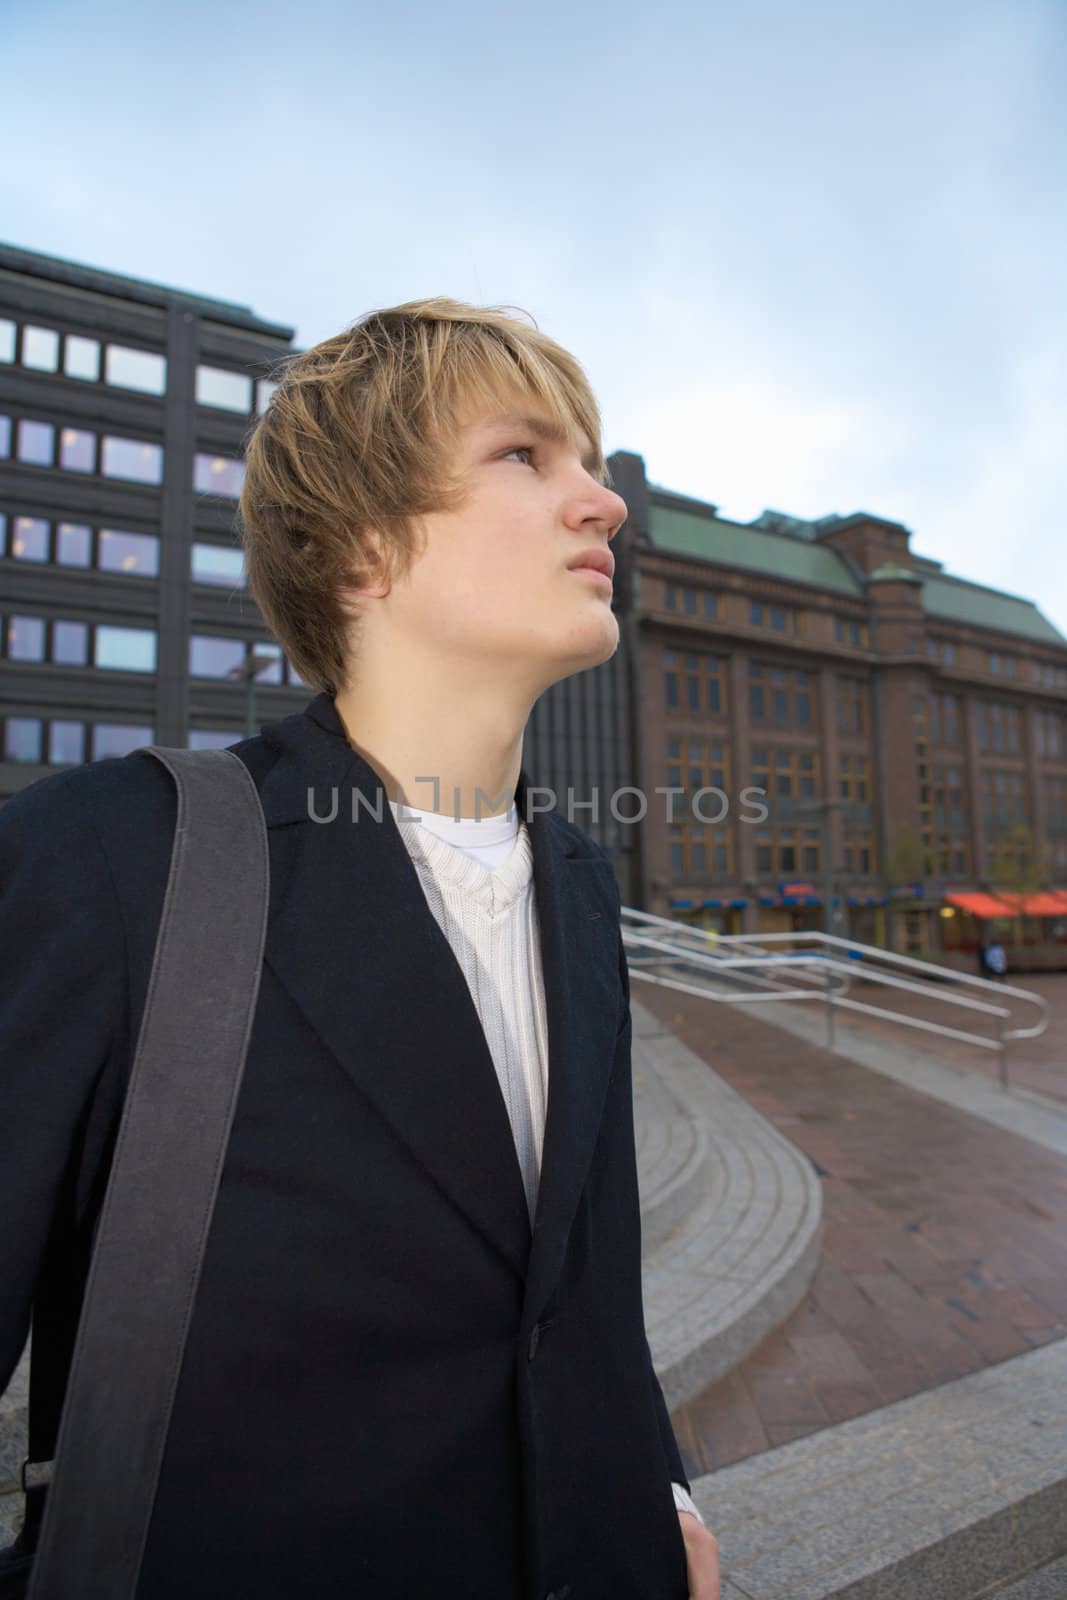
{"x":165,"y":1173}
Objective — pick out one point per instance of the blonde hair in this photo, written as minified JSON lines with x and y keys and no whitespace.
{"x":358,"y":442}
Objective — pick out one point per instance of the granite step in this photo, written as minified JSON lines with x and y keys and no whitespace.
{"x":959,"y":1493}
{"x":731,"y":1215}
{"x":1047,"y":1583}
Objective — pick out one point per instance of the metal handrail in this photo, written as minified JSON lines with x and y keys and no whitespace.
{"x":893,"y":958}
{"x":681,"y":931}
{"x":831,"y":969}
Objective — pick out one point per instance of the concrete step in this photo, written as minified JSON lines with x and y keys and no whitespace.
{"x":948,"y":1495}
{"x":731,"y":1215}
{"x":1047,"y":1583}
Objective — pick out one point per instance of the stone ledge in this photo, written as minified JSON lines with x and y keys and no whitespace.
{"x":731,"y":1215}
{"x":955,"y":1492}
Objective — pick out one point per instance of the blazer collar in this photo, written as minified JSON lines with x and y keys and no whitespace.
{"x":354,"y":942}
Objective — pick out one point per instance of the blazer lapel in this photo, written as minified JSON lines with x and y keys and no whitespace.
{"x":353,"y":941}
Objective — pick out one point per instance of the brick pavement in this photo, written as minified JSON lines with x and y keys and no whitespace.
{"x":945,"y":1240}
{"x":1039,"y":1064}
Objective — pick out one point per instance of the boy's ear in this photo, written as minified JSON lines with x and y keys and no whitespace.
{"x":374,"y":572}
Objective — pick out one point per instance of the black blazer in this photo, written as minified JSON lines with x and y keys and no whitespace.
{"x":393,"y":1387}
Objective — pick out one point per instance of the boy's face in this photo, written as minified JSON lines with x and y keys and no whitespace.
{"x":496,"y":584}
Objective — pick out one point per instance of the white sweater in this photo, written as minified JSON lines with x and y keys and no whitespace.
{"x":477,"y":875}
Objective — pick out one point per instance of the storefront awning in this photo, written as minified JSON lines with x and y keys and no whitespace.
{"x":980,"y":905}
{"x":1048,"y":903}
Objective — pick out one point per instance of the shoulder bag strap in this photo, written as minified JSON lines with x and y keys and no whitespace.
{"x":168,"y":1158}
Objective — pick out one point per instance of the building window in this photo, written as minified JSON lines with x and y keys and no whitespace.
{"x":223,"y":390}
{"x":133,"y":459}
{"x":853,"y":708}
{"x":1001,"y":666}
{"x":781,"y":852}
{"x":780,"y":695}
{"x":1049,"y":675}
{"x":7,"y":340}
{"x":118,"y":739}
{"x":5,"y":438}
{"x":695,"y":682}
{"x":859,"y":854}
{"x":74,"y":544}
{"x":36,"y":443}
{"x":785,"y":773}
{"x":780,"y":619}
{"x":698,"y":847}
{"x":945,"y":721}
{"x":23,"y":739}
{"x":1003,"y":796}
{"x":265,"y":390}
{"x":135,"y":369}
{"x":40,"y":348}
{"x":81,"y":358}
{"x":221,"y":475}
{"x":211,"y":657}
{"x":136,"y":554}
{"x":29,"y":738}
{"x":1050,"y":735}
{"x":24,"y":639}
{"x":77,"y":450}
{"x":213,"y":738}
{"x":125,"y":649}
{"x":70,"y":643}
{"x":128,"y":552}
{"x":997,"y":727}
{"x":29,"y":539}
{"x":690,"y":600}
{"x":66,"y":743}
{"x":218,"y":564}
{"x":852,"y":783}
{"x":941,"y":650}
{"x":848,"y":631}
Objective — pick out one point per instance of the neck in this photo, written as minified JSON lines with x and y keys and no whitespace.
{"x":455,"y":750}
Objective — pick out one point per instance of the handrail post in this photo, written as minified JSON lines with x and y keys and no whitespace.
{"x":829,"y":977}
{"x":1002,"y":1052}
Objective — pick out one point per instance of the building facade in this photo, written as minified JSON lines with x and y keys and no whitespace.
{"x":123,"y":410}
{"x":907,"y":728}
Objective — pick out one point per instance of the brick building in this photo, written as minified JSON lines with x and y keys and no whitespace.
{"x":908,"y":726}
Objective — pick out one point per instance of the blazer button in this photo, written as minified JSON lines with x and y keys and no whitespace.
{"x":534,"y":1340}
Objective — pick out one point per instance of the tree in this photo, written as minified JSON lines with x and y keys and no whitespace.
{"x":1016,"y":868}
{"x":908,"y":861}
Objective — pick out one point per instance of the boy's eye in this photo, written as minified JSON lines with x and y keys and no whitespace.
{"x":520,"y":450}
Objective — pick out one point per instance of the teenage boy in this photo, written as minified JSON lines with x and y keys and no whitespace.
{"x":417,"y":1362}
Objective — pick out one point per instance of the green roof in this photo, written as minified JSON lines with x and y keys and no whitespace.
{"x":736,"y":544}
{"x":892,"y":570}
{"x":956,"y":600}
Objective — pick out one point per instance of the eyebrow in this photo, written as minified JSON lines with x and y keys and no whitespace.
{"x":552,"y":433}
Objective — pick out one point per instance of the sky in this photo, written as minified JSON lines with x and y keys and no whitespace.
{"x":812,"y":256}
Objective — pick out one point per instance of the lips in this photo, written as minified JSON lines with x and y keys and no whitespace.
{"x":597,"y":559}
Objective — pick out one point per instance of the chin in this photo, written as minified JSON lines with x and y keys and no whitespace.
{"x":598,"y":641}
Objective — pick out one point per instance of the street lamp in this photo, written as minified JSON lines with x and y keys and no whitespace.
{"x":247,"y":672}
